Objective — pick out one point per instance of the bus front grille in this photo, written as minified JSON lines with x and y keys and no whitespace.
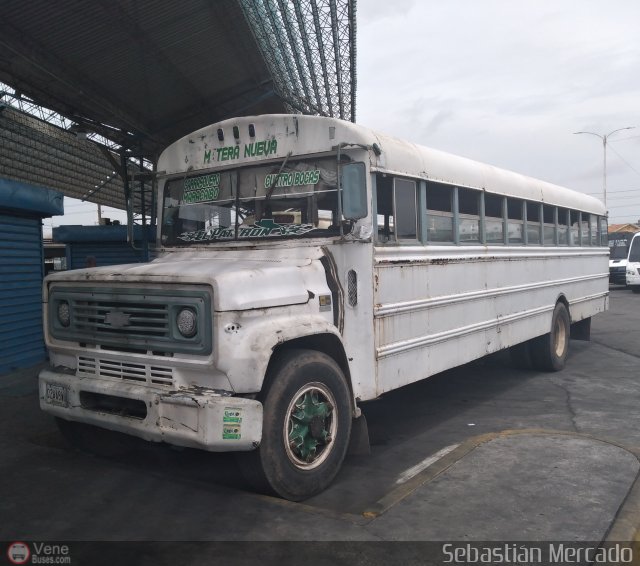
{"x":111,"y":317}
{"x":130,"y":319}
{"x":126,"y":371}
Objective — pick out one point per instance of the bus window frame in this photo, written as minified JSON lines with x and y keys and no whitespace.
{"x":562,"y":217}
{"x":394,"y":204}
{"x":429,"y":212}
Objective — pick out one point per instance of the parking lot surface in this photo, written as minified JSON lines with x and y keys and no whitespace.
{"x":483,"y":452}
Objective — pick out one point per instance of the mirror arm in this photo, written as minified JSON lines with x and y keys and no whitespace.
{"x":339,"y":186}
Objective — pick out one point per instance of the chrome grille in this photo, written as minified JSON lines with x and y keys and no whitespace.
{"x":126,"y":371}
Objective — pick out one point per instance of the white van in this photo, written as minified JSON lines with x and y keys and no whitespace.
{"x":633,"y":264}
{"x":619,"y":244}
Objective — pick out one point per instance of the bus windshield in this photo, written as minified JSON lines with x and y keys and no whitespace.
{"x":285,"y":200}
{"x":634,"y":252}
{"x":619,"y":247}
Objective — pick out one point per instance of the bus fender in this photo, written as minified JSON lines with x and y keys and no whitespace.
{"x":244,"y":353}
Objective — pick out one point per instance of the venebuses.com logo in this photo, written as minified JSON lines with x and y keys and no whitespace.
{"x":18,"y":553}
{"x":38,"y":553}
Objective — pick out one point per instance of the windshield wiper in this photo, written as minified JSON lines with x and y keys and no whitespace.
{"x":272,"y":187}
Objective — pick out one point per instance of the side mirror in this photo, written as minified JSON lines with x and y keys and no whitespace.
{"x":354,"y":191}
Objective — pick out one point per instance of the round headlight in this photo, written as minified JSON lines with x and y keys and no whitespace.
{"x":64,"y":313}
{"x":187,"y":322}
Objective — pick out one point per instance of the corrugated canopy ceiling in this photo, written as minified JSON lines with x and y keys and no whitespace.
{"x":146,"y":72}
{"x":139,"y":74}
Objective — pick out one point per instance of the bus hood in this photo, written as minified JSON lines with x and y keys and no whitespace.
{"x":240,"y":280}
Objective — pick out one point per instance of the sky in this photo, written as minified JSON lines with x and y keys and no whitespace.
{"x":506,"y":82}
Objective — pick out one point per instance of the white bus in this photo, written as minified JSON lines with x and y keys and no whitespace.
{"x":307,"y":265}
{"x":633,"y":264}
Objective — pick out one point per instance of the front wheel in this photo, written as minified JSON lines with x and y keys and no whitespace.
{"x":549,"y":351}
{"x":306,"y":427}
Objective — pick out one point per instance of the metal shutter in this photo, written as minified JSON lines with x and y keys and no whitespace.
{"x":21,"y":265}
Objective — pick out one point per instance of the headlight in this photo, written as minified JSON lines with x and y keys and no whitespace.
{"x":187,"y":322}
{"x":64,"y":313}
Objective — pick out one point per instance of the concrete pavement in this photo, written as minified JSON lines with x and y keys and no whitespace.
{"x":480,"y":453}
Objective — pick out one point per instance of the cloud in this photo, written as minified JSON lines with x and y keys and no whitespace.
{"x":507,"y":83}
{"x":439,"y":118}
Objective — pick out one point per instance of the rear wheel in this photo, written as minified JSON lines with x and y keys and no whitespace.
{"x":549,"y":351}
{"x":306,"y":427}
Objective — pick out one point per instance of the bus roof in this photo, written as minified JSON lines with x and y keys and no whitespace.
{"x":273,"y":136}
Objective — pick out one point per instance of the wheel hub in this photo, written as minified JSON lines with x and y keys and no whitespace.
{"x":317,"y":428}
{"x":310,"y":426}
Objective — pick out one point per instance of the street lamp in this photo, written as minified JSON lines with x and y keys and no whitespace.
{"x":604,"y":145}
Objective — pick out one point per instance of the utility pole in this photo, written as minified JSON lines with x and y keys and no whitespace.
{"x":604,"y":138}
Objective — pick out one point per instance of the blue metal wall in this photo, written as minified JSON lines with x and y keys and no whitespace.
{"x":106,"y":253}
{"x":107,"y":244}
{"x":21,"y":265}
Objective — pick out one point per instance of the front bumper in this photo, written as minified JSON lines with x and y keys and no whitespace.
{"x":196,"y":417}
{"x":633,"y":278}
{"x":618,"y":275}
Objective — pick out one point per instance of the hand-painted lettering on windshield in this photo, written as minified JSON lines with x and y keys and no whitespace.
{"x":264,"y":228}
{"x":292,"y":179}
{"x":201,"y":189}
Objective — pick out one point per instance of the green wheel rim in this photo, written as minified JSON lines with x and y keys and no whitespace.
{"x":310,"y":426}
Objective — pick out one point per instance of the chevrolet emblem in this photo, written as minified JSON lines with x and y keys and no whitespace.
{"x":117,"y":318}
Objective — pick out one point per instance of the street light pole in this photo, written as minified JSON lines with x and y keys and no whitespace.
{"x":604,"y":147}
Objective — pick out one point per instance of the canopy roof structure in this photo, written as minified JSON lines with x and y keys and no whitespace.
{"x":135,"y":75}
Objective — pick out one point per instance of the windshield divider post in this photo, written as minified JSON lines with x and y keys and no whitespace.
{"x":235,"y":185}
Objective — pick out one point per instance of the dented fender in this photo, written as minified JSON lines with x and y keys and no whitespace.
{"x":246,"y":341}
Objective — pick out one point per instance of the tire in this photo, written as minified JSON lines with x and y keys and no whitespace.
{"x":635,"y":288}
{"x":549,"y":351}
{"x":306,"y":427}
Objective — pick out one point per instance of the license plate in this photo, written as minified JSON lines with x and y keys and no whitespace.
{"x":56,"y":394}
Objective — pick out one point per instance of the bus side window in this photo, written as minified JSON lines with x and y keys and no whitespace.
{"x":563,"y":227}
{"x":493,"y":221}
{"x":406,"y":219}
{"x":469,"y":216}
{"x":384,"y":204}
{"x":515,"y":222}
{"x":439,"y":213}
{"x":533,"y":223}
{"x":584,"y":228}
{"x":604,"y":232}
{"x":549,"y":228}
{"x":574,"y":222}
{"x":593,"y":229}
